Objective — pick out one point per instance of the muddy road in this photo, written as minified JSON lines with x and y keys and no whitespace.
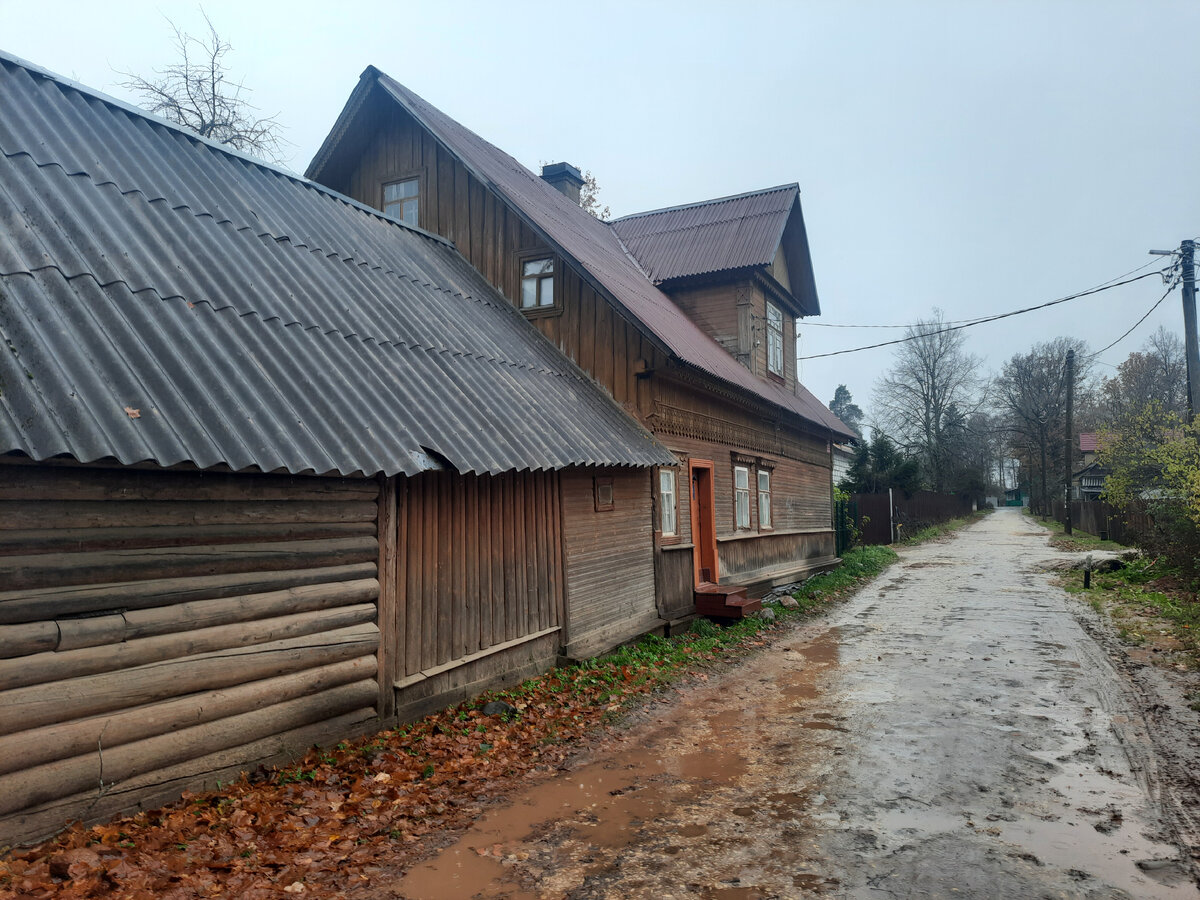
{"x":951,"y":731}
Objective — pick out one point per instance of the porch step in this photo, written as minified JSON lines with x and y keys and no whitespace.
{"x":724,"y":601}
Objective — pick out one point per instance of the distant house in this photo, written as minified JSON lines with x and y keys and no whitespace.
{"x":843,"y":459}
{"x":685,"y":316}
{"x":1087,"y":483}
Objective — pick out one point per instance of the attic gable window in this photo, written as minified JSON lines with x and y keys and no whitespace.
{"x":401,"y":200}
{"x":537,"y":283}
{"x":774,"y":339}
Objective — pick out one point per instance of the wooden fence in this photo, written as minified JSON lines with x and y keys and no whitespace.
{"x":878,"y":514}
{"x":1103,"y":520}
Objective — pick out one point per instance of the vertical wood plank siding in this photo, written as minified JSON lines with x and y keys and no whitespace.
{"x":185,"y":625}
{"x":488,"y":549}
{"x":454,"y":204}
{"x":610,"y":560}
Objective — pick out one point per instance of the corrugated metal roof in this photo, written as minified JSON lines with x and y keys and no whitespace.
{"x":164,"y":300}
{"x":1088,"y":442}
{"x":592,"y":244}
{"x":713,"y":236}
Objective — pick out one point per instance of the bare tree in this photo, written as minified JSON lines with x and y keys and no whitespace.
{"x":1156,"y":373}
{"x":930,"y":391}
{"x":589,"y":198}
{"x":1031,"y":393}
{"x":197,"y":93}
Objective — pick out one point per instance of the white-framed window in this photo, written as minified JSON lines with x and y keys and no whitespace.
{"x":668,"y":504}
{"x":774,"y":338}
{"x":764,"y":498}
{"x":401,"y":200}
{"x":741,"y":496}
{"x":537,"y":283}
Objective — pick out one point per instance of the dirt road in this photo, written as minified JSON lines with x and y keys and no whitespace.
{"x":952,"y":731}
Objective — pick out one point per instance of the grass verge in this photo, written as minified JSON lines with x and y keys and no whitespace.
{"x":1151,"y":605}
{"x":331,"y":819}
{"x":1076,"y":542}
{"x":931,"y":532}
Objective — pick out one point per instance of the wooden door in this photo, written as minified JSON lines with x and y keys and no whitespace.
{"x":704,"y":524}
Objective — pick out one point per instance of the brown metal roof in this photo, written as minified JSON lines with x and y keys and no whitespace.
{"x":594,"y":246}
{"x":163,"y":299}
{"x":712,"y":236}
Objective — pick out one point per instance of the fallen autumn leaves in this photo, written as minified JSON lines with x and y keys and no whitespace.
{"x":327,"y":824}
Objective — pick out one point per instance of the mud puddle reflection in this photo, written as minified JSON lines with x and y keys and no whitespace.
{"x":668,"y":805}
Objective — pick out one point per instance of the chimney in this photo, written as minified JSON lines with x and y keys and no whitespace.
{"x":564,"y":177}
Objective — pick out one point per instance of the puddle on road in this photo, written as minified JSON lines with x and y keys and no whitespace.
{"x":643,"y":790}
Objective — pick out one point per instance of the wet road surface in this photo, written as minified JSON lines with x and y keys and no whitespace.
{"x":951,"y":731}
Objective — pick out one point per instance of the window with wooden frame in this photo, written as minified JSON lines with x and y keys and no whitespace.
{"x":764,"y":499}
{"x":602,"y":487}
{"x":668,"y":503}
{"x":537,"y":283}
{"x":401,"y":200}
{"x":741,"y":497}
{"x":774,"y":339}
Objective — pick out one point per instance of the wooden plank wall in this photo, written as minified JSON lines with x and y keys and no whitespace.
{"x":159,"y":630}
{"x":455,"y":205}
{"x":610,"y":560}
{"x":481,"y":566}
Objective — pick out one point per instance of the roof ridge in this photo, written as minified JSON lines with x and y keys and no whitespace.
{"x":713,"y":201}
{"x":695,"y":225}
{"x":130,"y":109}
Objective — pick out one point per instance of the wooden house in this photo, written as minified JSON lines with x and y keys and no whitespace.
{"x":685,"y":316}
{"x":275,"y":467}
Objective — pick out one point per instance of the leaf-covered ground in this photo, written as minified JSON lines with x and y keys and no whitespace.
{"x":327,"y":824}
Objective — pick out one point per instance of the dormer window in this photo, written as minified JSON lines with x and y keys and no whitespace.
{"x":401,"y":201}
{"x":774,"y":339}
{"x":537,"y":283}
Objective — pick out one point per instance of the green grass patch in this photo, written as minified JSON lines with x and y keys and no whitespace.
{"x":1145,"y":600}
{"x":1076,"y":542}
{"x":930,"y":532}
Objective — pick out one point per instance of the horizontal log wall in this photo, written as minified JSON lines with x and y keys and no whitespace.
{"x":159,"y":630}
{"x":480,"y":560}
{"x":610,"y":560}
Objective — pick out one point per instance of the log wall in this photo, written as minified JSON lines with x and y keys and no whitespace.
{"x":161,"y":630}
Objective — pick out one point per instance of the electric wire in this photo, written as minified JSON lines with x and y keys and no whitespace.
{"x":977,"y":318}
{"x":971,"y":322}
{"x":1157,"y":303}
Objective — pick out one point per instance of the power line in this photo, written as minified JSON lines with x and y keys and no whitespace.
{"x":969,"y":323}
{"x":1102,"y":284}
{"x":1157,"y":303}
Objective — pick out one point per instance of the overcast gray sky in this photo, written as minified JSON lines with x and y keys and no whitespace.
{"x":976,"y":157}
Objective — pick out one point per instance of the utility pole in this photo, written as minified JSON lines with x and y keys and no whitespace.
{"x":1070,"y":431}
{"x":1188,"y":250}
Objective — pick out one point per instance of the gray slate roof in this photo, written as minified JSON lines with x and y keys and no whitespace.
{"x":164,"y":299}
{"x":601,"y":258}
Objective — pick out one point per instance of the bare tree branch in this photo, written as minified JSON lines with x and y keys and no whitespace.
{"x":195,"y":92}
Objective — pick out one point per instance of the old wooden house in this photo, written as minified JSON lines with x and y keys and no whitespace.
{"x":685,"y":316}
{"x":275,"y":466}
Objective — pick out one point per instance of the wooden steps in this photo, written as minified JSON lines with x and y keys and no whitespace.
{"x":724,"y":601}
